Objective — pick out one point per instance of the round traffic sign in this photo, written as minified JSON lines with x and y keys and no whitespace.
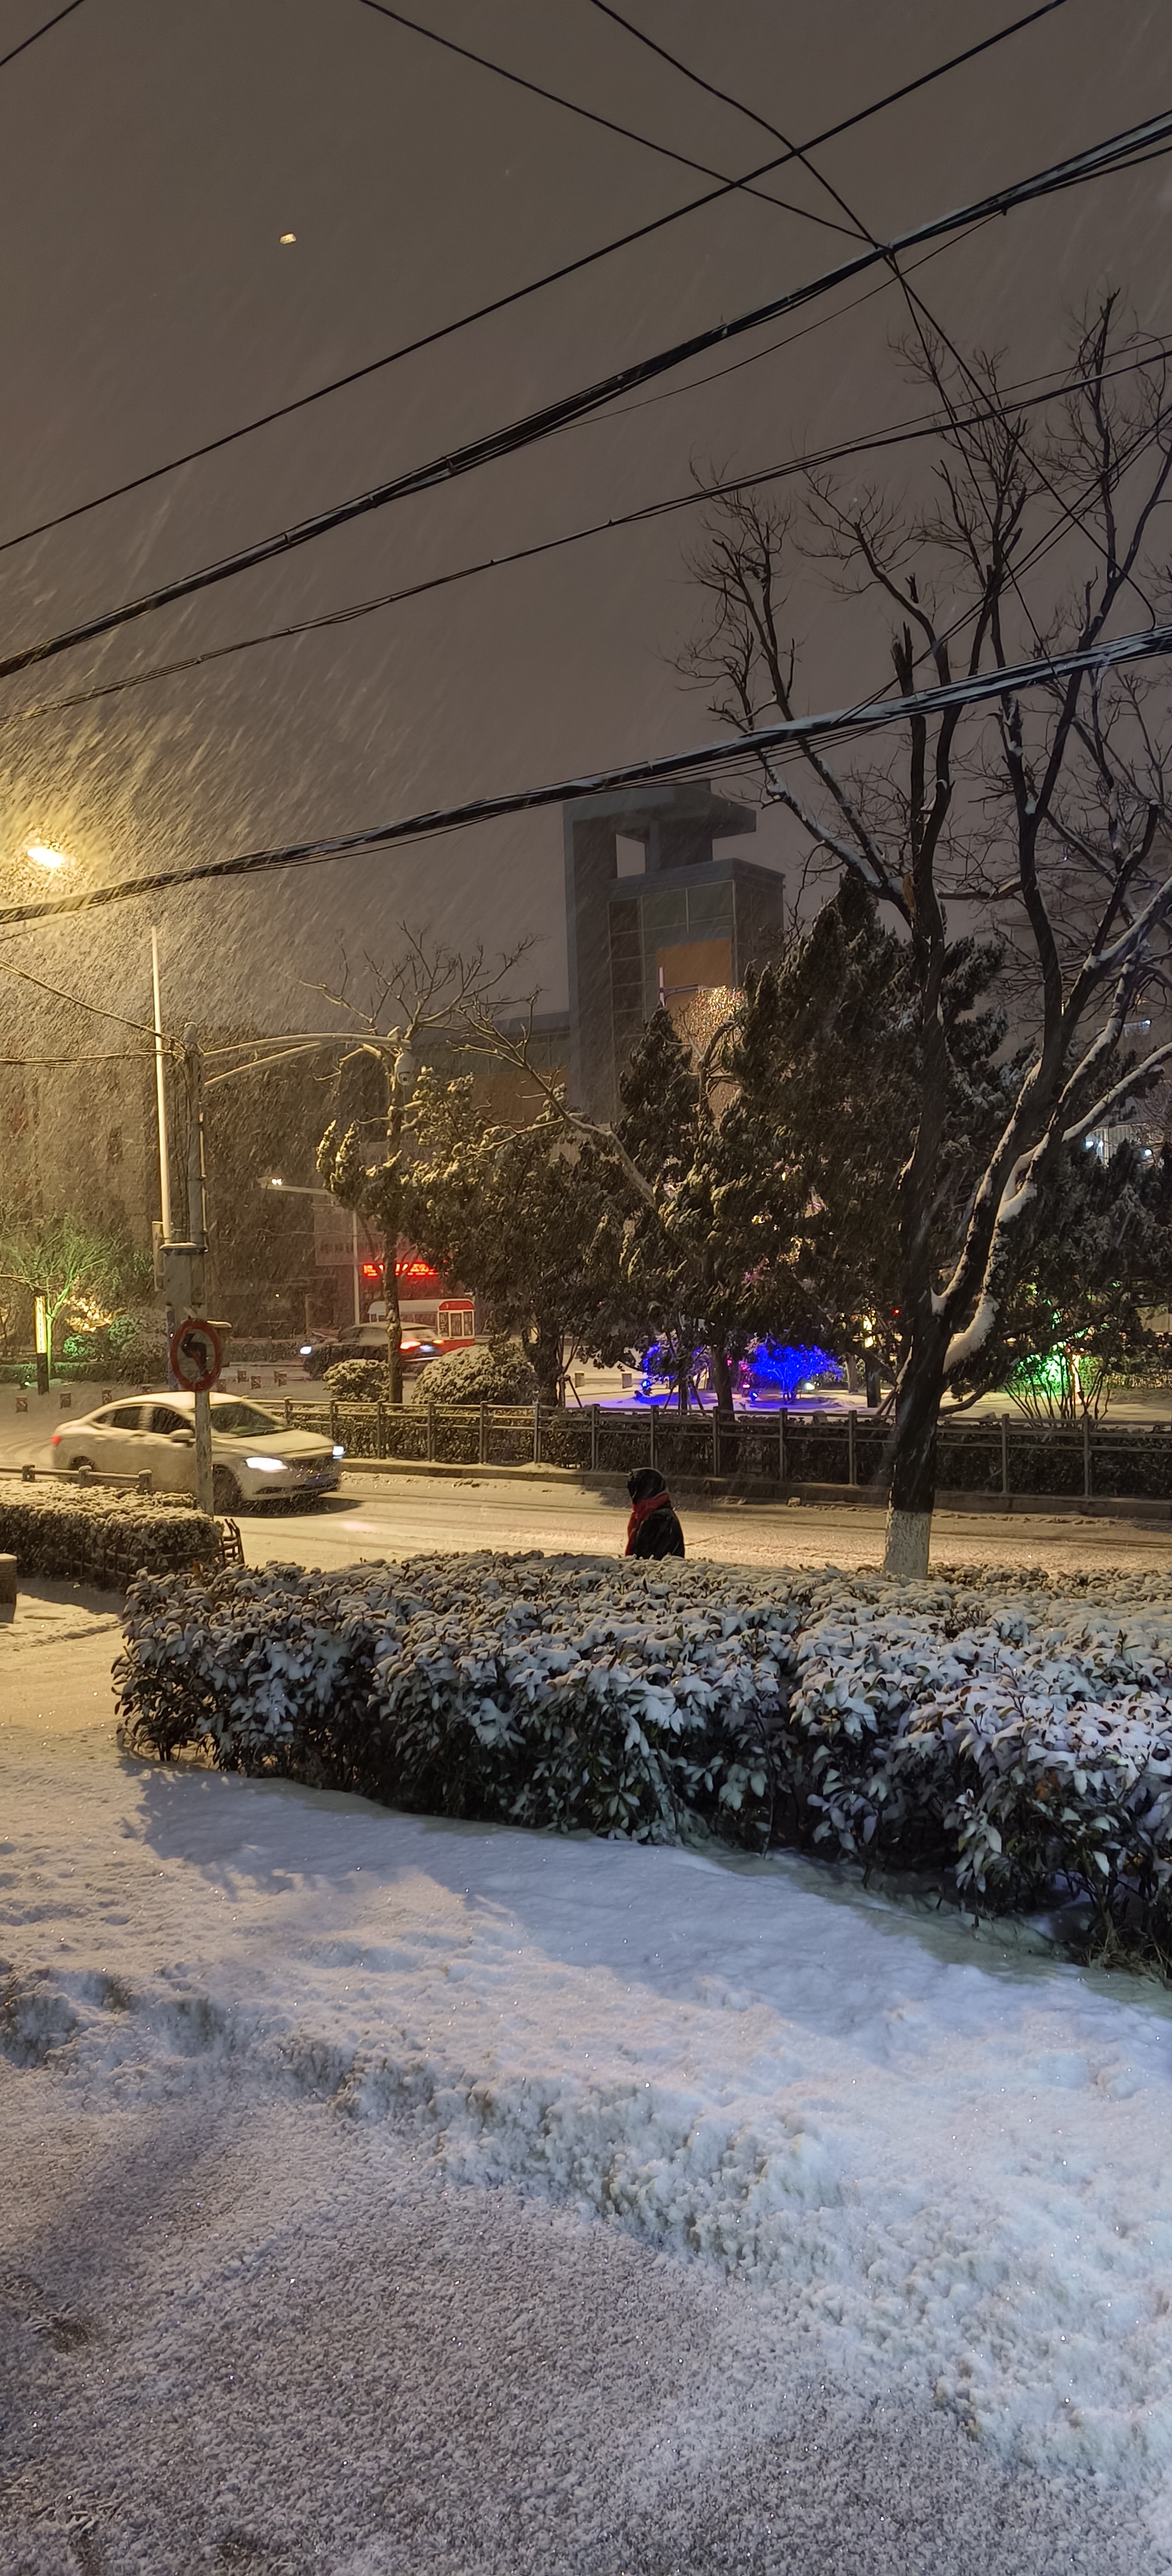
{"x":195,"y":1355}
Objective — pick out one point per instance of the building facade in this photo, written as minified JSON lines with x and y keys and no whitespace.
{"x":681,"y":926}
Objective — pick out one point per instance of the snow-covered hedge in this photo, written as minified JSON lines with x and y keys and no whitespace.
{"x":1013,"y":1733}
{"x":359,"y":1382}
{"x":97,"y":1536}
{"x":496,"y":1373}
{"x":551,"y":1691}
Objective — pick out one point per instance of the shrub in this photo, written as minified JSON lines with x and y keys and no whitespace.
{"x":562,"y":1692}
{"x":496,"y":1373}
{"x":103,"y":1538}
{"x":358,"y":1382}
{"x":1010,"y":1733}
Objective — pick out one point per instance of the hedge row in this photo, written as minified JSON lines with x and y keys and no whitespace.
{"x":1013,"y":1737}
{"x":96,"y":1537}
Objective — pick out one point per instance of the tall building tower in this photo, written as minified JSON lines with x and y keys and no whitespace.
{"x":688,"y":924}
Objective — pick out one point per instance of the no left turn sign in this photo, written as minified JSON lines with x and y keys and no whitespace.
{"x":196,"y":1356}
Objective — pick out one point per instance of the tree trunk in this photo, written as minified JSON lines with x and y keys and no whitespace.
{"x":722,"y":1376}
{"x":544,"y":1350}
{"x":394,"y":1323}
{"x":392,"y":1208}
{"x":913,"y":1477}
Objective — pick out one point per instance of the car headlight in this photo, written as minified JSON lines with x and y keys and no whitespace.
{"x":271,"y":1466}
{"x":339,"y":1453}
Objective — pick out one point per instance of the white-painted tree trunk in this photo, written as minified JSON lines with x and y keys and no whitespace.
{"x":909,"y":1536}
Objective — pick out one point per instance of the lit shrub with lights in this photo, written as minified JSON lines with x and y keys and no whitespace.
{"x":782,"y":1369}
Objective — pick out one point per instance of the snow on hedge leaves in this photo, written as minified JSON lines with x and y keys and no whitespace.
{"x":550,"y":1692}
{"x":101,"y":1536}
{"x":1014,"y":1730}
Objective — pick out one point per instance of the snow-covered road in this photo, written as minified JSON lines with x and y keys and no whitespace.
{"x":744,"y":2152}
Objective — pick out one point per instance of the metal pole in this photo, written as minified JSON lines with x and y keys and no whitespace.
{"x":1086,"y":1457}
{"x":483,"y":1433}
{"x":196,"y":1227}
{"x":781,"y":1443}
{"x":357,"y":1269}
{"x":594,"y":1435}
{"x":1005,"y":1453}
{"x":43,"y":1338}
{"x":852,"y":1476}
{"x":537,"y":1431}
{"x":161,"y":1098}
{"x":651,"y":1432}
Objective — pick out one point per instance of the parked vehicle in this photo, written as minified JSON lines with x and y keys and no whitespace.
{"x":367,"y":1342}
{"x":254,"y":1458}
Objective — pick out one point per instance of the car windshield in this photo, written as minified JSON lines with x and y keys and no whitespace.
{"x":241,"y":1420}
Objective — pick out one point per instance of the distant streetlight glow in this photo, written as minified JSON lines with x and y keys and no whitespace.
{"x":44,"y":856}
{"x":288,"y":237}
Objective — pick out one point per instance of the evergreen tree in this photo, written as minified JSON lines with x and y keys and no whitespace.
{"x":1097,"y":1253}
{"x":515,"y":1217}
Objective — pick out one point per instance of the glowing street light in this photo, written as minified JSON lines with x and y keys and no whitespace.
{"x":44,"y":856}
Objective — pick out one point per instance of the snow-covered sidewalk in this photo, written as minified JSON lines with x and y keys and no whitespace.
{"x":929,"y":2163}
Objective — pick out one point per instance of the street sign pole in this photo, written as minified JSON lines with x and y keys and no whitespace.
{"x":196,"y":1229}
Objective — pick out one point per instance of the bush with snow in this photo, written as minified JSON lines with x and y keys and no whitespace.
{"x":1013,"y":1735}
{"x":359,"y":1382}
{"x":487,"y":1373}
{"x":555,"y":1692}
{"x":98,"y":1535}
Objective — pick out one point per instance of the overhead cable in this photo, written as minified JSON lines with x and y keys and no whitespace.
{"x":902,"y":433}
{"x":1151,"y":140}
{"x":974,"y":689}
{"x":622,"y":241}
{"x":38,"y":32}
{"x":592,"y":117}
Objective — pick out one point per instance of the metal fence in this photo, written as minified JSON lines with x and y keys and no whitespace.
{"x":979,"y":1454}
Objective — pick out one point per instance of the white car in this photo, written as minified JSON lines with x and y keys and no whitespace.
{"x":254,"y":1458}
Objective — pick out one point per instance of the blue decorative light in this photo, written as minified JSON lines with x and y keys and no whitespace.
{"x":786,"y":1366}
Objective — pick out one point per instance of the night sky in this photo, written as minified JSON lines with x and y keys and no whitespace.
{"x":153,"y":153}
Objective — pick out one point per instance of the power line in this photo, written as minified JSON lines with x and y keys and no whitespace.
{"x":591,"y":115}
{"x":141,"y":1055}
{"x":917,"y":308}
{"x":142,"y":1027}
{"x":38,"y":32}
{"x":1135,"y":145}
{"x":924,"y":425}
{"x":622,"y":241}
{"x":796,"y":732}
{"x":716,"y":375}
{"x":724,"y":95}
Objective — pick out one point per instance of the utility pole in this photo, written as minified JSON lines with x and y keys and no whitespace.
{"x":161,"y":1097}
{"x":164,"y":1141}
{"x":196,"y":1228}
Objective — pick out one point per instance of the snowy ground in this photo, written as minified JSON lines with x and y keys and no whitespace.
{"x":397,"y":1516}
{"x":391,"y":2194}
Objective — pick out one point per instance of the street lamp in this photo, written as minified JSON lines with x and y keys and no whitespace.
{"x":44,"y":856}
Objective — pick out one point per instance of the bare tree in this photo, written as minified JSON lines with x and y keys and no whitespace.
{"x":1050,"y":815}
{"x":426,"y":991}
